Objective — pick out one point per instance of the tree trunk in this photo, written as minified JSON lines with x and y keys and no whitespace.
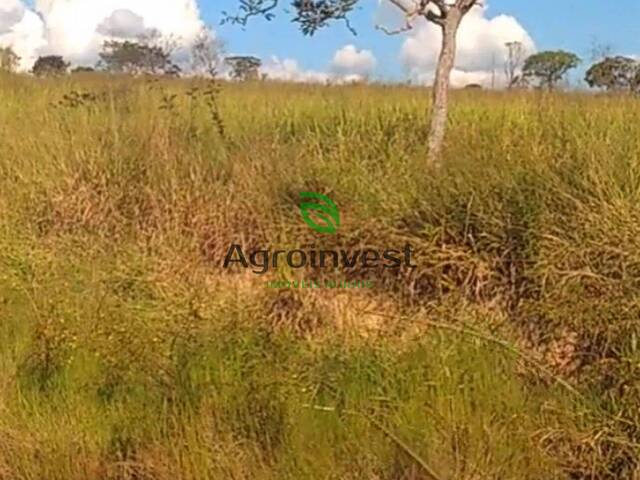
{"x":441,"y":85}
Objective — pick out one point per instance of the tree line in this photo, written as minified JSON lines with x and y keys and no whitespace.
{"x":151,"y":54}
{"x":542,"y":70}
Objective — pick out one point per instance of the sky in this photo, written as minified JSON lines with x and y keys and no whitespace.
{"x":77,"y":28}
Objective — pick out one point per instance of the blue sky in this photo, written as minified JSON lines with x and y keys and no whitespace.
{"x":568,"y":24}
{"x":75,"y":30}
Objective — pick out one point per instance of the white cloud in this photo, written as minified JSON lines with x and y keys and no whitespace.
{"x":122,"y":24}
{"x":481,"y":48}
{"x":11,"y":13}
{"x":25,"y":34}
{"x":351,"y":61}
{"x":288,"y":70}
{"x":76,"y":29}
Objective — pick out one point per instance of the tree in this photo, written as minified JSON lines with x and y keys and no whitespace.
{"x":549,"y":67}
{"x":513,"y":63}
{"x":206,"y":54}
{"x":614,"y":73}
{"x":50,"y":66}
{"x":244,"y":68}
{"x":599,"y":50}
{"x":312,"y":15}
{"x":8,"y":60}
{"x":83,"y":69}
{"x":137,"y":57}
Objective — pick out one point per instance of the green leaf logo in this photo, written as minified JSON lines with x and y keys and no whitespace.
{"x":322,"y":209}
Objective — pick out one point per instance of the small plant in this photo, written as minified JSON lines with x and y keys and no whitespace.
{"x":51,"y":347}
{"x":76,"y":99}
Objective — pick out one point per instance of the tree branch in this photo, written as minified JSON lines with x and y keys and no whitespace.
{"x":421,"y":9}
{"x":435,"y":18}
{"x":396,"y":31}
{"x":251,"y":8}
{"x":315,"y":14}
{"x":466,"y":5}
{"x":442,"y":6}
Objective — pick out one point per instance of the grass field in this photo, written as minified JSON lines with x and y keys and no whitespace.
{"x":127,"y":352}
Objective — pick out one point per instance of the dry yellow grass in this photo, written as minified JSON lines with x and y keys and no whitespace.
{"x":128,"y":353}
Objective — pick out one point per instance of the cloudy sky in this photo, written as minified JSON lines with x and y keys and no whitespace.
{"x":76,"y":29}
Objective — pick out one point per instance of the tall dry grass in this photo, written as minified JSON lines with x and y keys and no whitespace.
{"x":128,"y":353}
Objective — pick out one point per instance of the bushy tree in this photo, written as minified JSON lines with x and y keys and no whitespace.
{"x":312,"y":15}
{"x":9,"y":60}
{"x":614,"y":73}
{"x":549,"y":67}
{"x":83,"y":69}
{"x":244,"y":68}
{"x":50,"y":65}
{"x":135,"y":57}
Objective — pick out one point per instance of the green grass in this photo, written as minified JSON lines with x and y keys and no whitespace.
{"x":126,"y":351}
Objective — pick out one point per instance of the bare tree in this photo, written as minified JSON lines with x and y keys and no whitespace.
{"x":446,"y":14}
{"x":8,"y":60}
{"x":598,"y":50}
{"x":206,"y":54}
{"x":514,"y":62}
